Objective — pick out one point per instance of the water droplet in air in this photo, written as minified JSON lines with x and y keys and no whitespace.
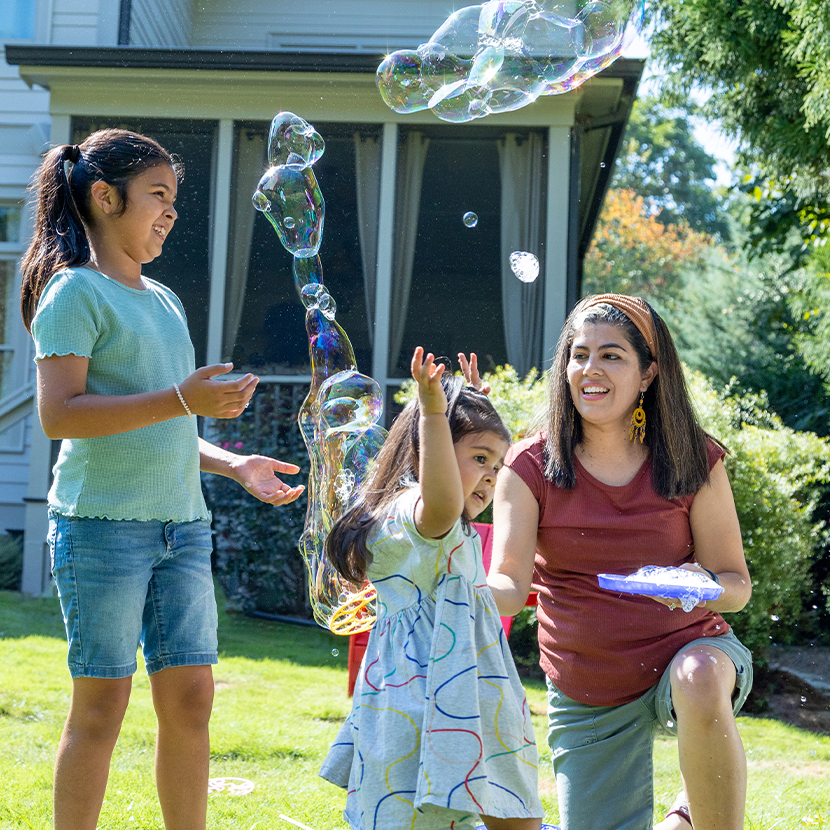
{"x":335,"y":652}
{"x":602,"y":164}
{"x":670,"y":723}
{"x":774,"y":617}
{"x":470,"y":219}
{"x":803,"y":699}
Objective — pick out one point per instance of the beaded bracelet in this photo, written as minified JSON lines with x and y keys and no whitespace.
{"x":181,"y":398}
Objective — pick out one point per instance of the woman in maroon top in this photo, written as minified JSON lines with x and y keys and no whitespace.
{"x":585,"y":497}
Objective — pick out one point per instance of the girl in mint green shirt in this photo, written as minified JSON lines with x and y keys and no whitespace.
{"x":129,"y":529}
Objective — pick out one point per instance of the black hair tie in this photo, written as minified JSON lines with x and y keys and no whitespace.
{"x":73,"y":154}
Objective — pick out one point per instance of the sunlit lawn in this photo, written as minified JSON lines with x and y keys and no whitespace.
{"x":280,"y":697}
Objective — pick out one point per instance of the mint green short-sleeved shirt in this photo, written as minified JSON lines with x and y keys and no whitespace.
{"x":136,"y":341}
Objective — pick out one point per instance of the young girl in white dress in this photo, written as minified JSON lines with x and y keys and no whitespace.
{"x":440,"y":733}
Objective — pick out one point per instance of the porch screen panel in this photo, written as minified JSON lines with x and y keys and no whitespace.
{"x":268,"y":335}
{"x":455,"y":301}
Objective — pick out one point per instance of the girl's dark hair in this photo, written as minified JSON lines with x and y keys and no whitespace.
{"x":396,"y":469}
{"x":62,"y":186}
{"x":679,"y":455}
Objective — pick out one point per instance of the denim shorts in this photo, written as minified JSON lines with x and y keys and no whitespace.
{"x":128,"y":583}
{"x":602,"y":755}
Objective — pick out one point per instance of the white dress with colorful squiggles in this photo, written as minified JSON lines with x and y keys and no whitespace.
{"x":440,"y":729}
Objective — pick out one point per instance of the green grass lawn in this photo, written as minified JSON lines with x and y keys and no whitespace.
{"x":280,"y":698}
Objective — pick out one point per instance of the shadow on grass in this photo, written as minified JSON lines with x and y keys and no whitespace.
{"x":239,"y":636}
{"x":24,"y":616}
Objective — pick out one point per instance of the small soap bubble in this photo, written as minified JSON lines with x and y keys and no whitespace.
{"x":670,"y":723}
{"x":335,"y":652}
{"x":774,"y":617}
{"x":261,"y":201}
{"x":470,"y":219}
{"x":289,"y":222}
{"x":524,"y":265}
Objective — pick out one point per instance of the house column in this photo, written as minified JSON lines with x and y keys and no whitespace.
{"x":386,"y":232}
{"x":557,"y":238}
{"x":219,"y":233}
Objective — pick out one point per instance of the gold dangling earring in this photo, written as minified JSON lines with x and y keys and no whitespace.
{"x":638,"y":422}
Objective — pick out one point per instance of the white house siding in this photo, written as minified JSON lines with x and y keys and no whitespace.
{"x":75,"y":22}
{"x":164,"y":23}
{"x":24,"y":133}
{"x":317,"y":25}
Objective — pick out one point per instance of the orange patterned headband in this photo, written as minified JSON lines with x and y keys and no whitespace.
{"x":635,"y":309}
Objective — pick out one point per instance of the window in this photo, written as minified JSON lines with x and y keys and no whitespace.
{"x":18,"y":20}
{"x":9,"y":254}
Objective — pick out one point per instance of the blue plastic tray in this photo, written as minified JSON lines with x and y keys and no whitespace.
{"x":648,"y":587}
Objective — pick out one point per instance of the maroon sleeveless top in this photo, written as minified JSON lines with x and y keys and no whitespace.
{"x":597,"y":646}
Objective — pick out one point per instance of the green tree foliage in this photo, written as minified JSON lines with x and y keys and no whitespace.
{"x":662,"y":161}
{"x":634,"y":252}
{"x":740,"y":325}
{"x":765,"y":65}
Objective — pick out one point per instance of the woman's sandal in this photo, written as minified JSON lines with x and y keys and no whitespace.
{"x":680,"y":808}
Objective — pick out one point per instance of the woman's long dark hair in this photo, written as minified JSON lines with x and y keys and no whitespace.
{"x":396,"y":469}
{"x":679,"y":455}
{"x":62,"y":186}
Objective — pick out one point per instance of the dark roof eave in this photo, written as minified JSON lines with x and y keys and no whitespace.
{"x":133,"y":57}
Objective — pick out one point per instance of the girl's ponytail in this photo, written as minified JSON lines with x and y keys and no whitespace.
{"x":59,"y":240}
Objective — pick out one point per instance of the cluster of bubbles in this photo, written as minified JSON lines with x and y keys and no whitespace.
{"x":691,"y":585}
{"x":339,"y":417}
{"x":524,"y":265}
{"x":503,"y":54}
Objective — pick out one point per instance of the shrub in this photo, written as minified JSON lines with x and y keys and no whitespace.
{"x":11,"y":562}
{"x":777,"y":476}
{"x":257,"y":560}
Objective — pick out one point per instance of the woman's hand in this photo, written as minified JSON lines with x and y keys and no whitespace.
{"x":469,"y":369}
{"x":217,"y":398}
{"x":672,"y":602}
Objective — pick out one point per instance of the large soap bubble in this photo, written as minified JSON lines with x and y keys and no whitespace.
{"x":339,"y":417}
{"x":503,"y":54}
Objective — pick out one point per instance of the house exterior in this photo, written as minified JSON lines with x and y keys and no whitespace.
{"x":205,"y":79}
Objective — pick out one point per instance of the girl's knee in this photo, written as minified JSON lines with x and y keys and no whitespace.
{"x":183,"y":696}
{"x":99,"y":704}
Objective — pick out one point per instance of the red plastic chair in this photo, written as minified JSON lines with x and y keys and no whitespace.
{"x":358,"y":642}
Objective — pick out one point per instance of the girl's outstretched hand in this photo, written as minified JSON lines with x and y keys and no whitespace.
{"x":469,"y":368}
{"x":257,"y":474}
{"x":427,"y":374}
{"x":217,"y":398}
